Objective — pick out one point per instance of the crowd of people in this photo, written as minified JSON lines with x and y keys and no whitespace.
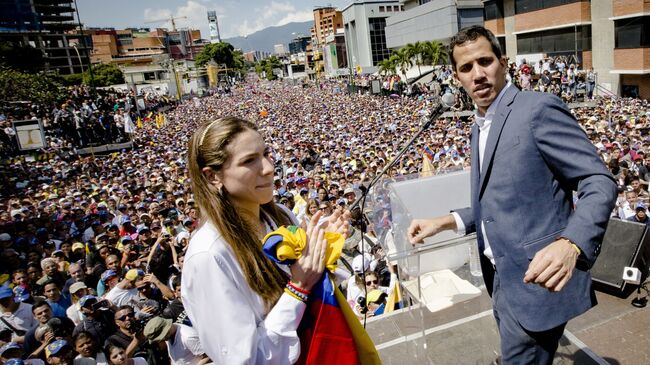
{"x":92,"y":247}
{"x":85,"y":117}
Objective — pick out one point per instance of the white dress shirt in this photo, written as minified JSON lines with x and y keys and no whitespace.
{"x":484,"y":123}
{"x":232,"y":322}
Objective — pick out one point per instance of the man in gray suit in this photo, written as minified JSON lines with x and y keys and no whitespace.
{"x":528,"y":157}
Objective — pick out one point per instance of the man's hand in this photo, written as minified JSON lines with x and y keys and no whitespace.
{"x":553,"y":265}
{"x":423,"y":228}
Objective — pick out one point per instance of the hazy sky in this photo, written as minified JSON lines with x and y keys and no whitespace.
{"x":235,"y":17}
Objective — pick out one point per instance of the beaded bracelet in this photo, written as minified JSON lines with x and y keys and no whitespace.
{"x":286,"y":290}
{"x":294,"y":286}
{"x":296,"y":294}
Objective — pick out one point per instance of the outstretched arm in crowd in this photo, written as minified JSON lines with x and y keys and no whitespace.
{"x":164,"y":289}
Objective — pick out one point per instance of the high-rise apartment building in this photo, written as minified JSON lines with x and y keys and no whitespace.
{"x":326,"y":21}
{"x":49,"y":26}
{"x":142,"y":46}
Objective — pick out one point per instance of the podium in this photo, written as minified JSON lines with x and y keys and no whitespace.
{"x":448,"y":316}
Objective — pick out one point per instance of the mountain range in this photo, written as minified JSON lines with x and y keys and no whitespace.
{"x":265,"y":39}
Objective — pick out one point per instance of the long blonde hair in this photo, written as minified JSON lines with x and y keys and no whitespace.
{"x":208,"y":149}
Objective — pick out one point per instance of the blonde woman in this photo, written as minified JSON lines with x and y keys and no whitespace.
{"x":245,"y":308}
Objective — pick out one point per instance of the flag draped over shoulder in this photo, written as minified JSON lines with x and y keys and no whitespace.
{"x":329,"y":331}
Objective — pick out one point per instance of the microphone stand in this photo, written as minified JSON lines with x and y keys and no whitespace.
{"x":441,"y":108}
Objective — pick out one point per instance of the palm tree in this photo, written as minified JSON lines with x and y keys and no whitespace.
{"x":434,"y":52}
{"x":416,"y":51}
{"x":401,"y":60}
{"x":387,"y":66}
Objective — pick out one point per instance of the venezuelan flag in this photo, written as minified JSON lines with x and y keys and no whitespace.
{"x":329,"y":331}
{"x":429,"y":153}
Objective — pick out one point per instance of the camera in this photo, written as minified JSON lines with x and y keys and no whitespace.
{"x":362,"y":303}
{"x":138,"y":324}
{"x":99,"y":305}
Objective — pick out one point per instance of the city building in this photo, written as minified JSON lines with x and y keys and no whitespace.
{"x":49,"y":26}
{"x":365,"y":36}
{"x":254,"y":56}
{"x":299,"y":44}
{"x":142,"y":46}
{"x":610,"y":36}
{"x":431,"y":20}
{"x":213,"y":23}
{"x":326,"y":21}
{"x":279,"y":50}
{"x":335,"y":57}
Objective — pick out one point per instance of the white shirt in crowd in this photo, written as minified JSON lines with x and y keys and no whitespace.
{"x":74,"y":313}
{"x":120,"y":297}
{"x":21,"y":319}
{"x":185,"y":348}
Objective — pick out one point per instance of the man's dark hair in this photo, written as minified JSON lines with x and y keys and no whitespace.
{"x":121,"y":308}
{"x":40,"y":303}
{"x":48,"y":282}
{"x":471,"y":34}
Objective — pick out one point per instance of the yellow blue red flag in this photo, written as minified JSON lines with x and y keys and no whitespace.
{"x":329,"y":331}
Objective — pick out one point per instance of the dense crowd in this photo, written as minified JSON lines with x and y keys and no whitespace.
{"x":92,"y":246}
{"x":85,"y":117}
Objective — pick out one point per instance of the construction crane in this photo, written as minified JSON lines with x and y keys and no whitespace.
{"x":171,"y":18}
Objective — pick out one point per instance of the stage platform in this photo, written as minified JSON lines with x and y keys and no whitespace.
{"x":614,"y":332}
{"x":105,"y":148}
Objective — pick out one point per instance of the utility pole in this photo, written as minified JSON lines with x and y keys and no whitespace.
{"x":85,"y":43}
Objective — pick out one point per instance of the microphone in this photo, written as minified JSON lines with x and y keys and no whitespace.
{"x":447,"y":101}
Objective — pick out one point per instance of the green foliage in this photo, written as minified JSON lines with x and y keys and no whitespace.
{"x":387,"y":66}
{"x":434,"y":52}
{"x":418,"y":53}
{"x":222,"y":53}
{"x":21,"y":86}
{"x":402,"y":60}
{"x":415,"y":51}
{"x":104,"y":75}
{"x":267,"y":66}
{"x":23,"y":58}
{"x":73,"y":79}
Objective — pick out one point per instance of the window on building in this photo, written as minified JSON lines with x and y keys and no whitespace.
{"x":493,"y":9}
{"x":149,"y":76}
{"x":469,"y":17}
{"x":381,"y":9}
{"x":378,"y":47}
{"x":401,"y":8}
{"x":124,"y":39}
{"x":555,"y":41}
{"x":389,"y":8}
{"x":524,"y":6}
{"x":632,"y":32}
{"x":422,"y":2}
{"x":396,"y":8}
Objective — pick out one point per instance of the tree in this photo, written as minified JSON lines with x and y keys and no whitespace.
{"x":434,"y":52}
{"x":401,"y":60}
{"x":23,"y":58}
{"x":387,"y":66}
{"x":415,"y":51}
{"x":221,"y":53}
{"x":267,"y":65}
{"x":37,"y":88}
{"x":104,"y":74}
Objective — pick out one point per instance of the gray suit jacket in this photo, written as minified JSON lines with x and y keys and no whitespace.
{"x":536,"y":155}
